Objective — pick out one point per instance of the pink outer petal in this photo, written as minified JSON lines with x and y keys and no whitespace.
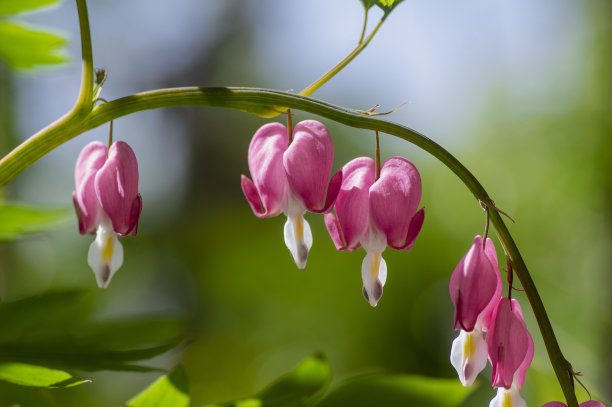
{"x":416,"y":224}
{"x":473,"y":286}
{"x":332,"y":193}
{"x":522,"y":370}
{"x":394,"y":199}
{"x":510,"y":345}
{"x":592,"y":403}
{"x":556,"y":404}
{"x":308,"y":163}
{"x":487,"y":313}
{"x":333,"y":227}
{"x":250,"y":192}
{"x":90,"y":160}
{"x":266,"y":166}
{"x":352,"y":203}
{"x":117,"y":189}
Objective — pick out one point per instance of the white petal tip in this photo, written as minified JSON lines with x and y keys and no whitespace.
{"x":298,"y":239}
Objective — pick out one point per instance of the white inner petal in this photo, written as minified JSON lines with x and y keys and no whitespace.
{"x":105,"y":255}
{"x":469,"y":355}
{"x":374,"y":276}
{"x":298,"y":238}
{"x":508,"y":398}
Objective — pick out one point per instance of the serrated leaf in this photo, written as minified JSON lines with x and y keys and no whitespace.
{"x":310,"y":377}
{"x":18,"y":6}
{"x":24,"y":48}
{"x":397,"y":391}
{"x":17,"y":219}
{"x":388,"y":5}
{"x":37,"y":376}
{"x":168,"y":390}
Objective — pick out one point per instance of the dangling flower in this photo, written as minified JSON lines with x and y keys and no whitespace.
{"x":510,"y":353}
{"x":475,"y":288}
{"x":292,"y":179}
{"x":376,"y":213}
{"x":107,"y":203}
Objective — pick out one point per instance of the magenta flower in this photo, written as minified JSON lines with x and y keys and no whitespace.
{"x":475,"y":288}
{"x":107,"y":203}
{"x":510,"y":353}
{"x":292,"y":179}
{"x":376,"y":213}
{"x":590,"y":403}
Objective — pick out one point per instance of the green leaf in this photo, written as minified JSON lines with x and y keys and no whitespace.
{"x":368,"y":4}
{"x":22,"y":47}
{"x":37,"y":376}
{"x":397,"y":391}
{"x":18,"y":6}
{"x":17,"y":219}
{"x":168,"y":390}
{"x":293,"y":389}
{"x":388,"y":5}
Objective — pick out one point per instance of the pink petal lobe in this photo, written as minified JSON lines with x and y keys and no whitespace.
{"x":487,"y":313}
{"x":266,"y":166}
{"x":332,"y":193}
{"x":592,"y":403}
{"x":416,"y":224}
{"x":308,"y":163}
{"x":89,"y":162}
{"x":528,"y":358}
{"x":510,"y":346}
{"x":473,"y":286}
{"x":556,"y":404}
{"x":394,"y":199}
{"x":352,"y":203}
{"x":333,"y":227}
{"x":250,"y":192}
{"x":117,"y":188}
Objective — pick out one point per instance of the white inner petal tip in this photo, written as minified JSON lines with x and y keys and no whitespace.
{"x":105,"y":256}
{"x":469,"y":355}
{"x":374,"y":276}
{"x":298,"y":238}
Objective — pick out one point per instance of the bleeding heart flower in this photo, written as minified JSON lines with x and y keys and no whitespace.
{"x":475,"y":289}
{"x":376,"y":213}
{"x":510,"y":353}
{"x":292,"y":179}
{"x":107,"y":203}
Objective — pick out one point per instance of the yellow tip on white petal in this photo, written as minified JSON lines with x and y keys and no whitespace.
{"x":374,"y":276}
{"x":469,"y":355}
{"x":508,"y":397}
{"x":298,"y":238}
{"x":105,"y":256}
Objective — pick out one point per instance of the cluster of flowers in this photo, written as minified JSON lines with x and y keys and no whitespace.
{"x":374,"y":208}
{"x":291,"y":175}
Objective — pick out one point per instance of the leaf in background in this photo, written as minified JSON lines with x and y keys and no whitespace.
{"x":18,"y":6}
{"x":310,"y":377}
{"x":17,"y":219}
{"x":388,"y":5}
{"x":168,"y":390}
{"x":23,"y":47}
{"x":397,"y":391}
{"x":368,"y":4}
{"x":37,"y":376}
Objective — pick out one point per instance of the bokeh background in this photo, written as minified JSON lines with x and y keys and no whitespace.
{"x":519,"y":91}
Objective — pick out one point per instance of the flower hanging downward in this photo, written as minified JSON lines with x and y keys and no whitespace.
{"x":475,"y":288}
{"x":376,"y":213}
{"x":292,"y":179}
{"x":107,"y":203}
{"x":510,"y":353}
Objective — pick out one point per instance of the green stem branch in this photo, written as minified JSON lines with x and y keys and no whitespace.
{"x":332,"y":72}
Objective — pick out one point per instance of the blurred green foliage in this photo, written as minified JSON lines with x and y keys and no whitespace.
{"x":213,"y":273}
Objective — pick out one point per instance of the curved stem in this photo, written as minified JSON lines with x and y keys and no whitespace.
{"x":332,"y":72}
{"x":261,"y":101}
{"x":85,"y":99}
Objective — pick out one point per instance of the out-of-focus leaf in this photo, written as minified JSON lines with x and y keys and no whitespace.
{"x":17,"y":219}
{"x":68,"y":354}
{"x":368,"y":4}
{"x":43,"y":316}
{"x":168,"y":390}
{"x":388,"y":5}
{"x":18,"y":6}
{"x":294,"y":389}
{"x":309,"y":378}
{"x":37,"y":376}
{"x":397,"y":391}
{"x":23,"y":47}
